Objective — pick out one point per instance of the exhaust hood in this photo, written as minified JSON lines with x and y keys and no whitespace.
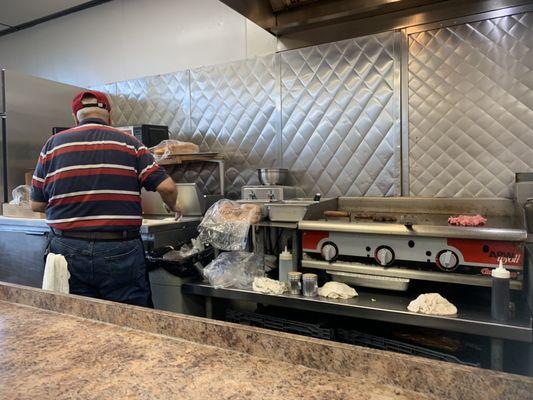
{"x":283,"y":17}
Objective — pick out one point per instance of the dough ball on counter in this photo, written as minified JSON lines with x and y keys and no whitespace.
{"x":433,"y":304}
{"x":337,"y":290}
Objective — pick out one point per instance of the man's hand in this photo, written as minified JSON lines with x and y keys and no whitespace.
{"x":178,"y":210}
{"x":169,"y":193}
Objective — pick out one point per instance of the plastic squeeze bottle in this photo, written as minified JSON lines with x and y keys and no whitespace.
{"x":500,"y":293}
{"x":285,"y":265}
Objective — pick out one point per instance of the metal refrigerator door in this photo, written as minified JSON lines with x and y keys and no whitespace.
{"x":2,"y":130}
{"x":2,"y":93}
{"x":33,"y":106}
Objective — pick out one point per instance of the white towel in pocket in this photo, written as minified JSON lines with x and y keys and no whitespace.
{"x":56,"y":273}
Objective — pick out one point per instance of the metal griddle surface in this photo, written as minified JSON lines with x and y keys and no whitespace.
{"x":416,"y":216}
{"x":497,"y":222}
{"x":504,"y":228}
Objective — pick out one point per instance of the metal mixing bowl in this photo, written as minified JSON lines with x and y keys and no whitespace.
{"x":272,"y":176}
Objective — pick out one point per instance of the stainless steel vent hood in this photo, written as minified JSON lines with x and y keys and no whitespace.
{"x":285,"y":17}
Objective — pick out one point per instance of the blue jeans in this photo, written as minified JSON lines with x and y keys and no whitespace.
{"x":109,"y":270}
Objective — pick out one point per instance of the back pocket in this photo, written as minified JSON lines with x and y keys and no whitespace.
{"x":123,"y":267}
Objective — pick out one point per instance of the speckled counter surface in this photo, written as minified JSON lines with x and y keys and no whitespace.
{"x":63,"y":346}
{"x":46,"y":355}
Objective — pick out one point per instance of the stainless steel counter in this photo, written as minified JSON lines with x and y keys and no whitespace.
{"x":23,"y":242}
{"x":387,"y":307}
{"x":151,"y":225}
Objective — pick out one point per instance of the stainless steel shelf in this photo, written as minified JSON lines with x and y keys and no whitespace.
{"x":435,"y":276}
{"x":388,"y":307}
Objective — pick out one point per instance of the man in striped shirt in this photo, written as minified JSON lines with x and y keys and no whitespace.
{"x":88,"y":181}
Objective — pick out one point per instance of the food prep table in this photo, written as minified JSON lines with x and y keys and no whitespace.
{"x":390,"y":307}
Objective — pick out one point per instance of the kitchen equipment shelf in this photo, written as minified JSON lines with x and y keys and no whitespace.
{"x":175,"y":160}
{"x":387,"y":307}
{"x":279,"y":324}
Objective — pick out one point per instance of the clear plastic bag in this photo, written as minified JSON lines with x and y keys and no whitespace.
{"x":185,"y":251}
{"x":171,"y":147}
{"x":236,"y":269}
{"x":21,"y":195}
{"x":226,"y":224}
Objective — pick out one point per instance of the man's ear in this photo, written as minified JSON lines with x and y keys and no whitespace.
{"x":75,"y":119}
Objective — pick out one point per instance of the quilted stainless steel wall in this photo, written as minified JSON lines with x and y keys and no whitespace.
{"x":340,"y":116}
{"x":160,"y":99}
{"x":471,"y":107}
{"x":235,"y":111}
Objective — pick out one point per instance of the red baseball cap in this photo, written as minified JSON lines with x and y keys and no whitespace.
{"x":101,"y":100}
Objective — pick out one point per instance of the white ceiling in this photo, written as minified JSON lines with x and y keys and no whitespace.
{"x":15,"y":12}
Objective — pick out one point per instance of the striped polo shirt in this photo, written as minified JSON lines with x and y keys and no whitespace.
{"x":91,"y":177}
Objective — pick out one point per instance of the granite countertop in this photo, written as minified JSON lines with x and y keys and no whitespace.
{"x":64,"y":346}
{"x":46,"y":355}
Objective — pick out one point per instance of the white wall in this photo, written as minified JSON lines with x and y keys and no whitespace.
{"x":127,"y":39}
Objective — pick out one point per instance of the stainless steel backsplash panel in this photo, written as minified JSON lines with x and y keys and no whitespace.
{"x":338,"y":116}
{"x":471,"y":107}
{"x":235,"y":111}
{"x":330,"y":113}
{"x":160,"y":99}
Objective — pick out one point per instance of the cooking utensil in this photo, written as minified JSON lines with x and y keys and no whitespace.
{"x":337,"y":214}
{"x":368,"y":216}
{"x":529,"y":214}
{"x":272,"y":176}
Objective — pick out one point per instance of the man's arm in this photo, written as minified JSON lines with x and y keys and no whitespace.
{"x":38,"y":206}
{"x":154,"y":178}
{"x":169,"y":193}
{"x":38,"y":199}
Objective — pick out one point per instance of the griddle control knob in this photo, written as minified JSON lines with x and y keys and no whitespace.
{"x":329,"y":251}
{"x":447,"y":260}
{"x":384,"y":255}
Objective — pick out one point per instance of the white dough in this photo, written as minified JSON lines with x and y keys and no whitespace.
{"x":432,"y":303}
{"x":337,"y":290}
{"x":269,"y":286}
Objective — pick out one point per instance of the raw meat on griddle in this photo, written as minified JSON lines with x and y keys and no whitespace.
{"x":467,"y":220}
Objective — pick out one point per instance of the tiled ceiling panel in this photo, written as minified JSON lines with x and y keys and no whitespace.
{"x":339,"y":121}
{"x":471,"y":107}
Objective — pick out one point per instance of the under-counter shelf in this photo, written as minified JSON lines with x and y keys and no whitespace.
{"x":387,"y":307}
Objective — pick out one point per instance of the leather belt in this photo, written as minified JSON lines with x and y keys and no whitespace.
{"x":97,"y":236}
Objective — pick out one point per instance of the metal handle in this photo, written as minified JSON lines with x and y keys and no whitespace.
{"x":35,"y":233}
{"x":337,"y":214}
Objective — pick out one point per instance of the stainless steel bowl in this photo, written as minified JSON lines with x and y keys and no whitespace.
{"x":272,"y":176}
